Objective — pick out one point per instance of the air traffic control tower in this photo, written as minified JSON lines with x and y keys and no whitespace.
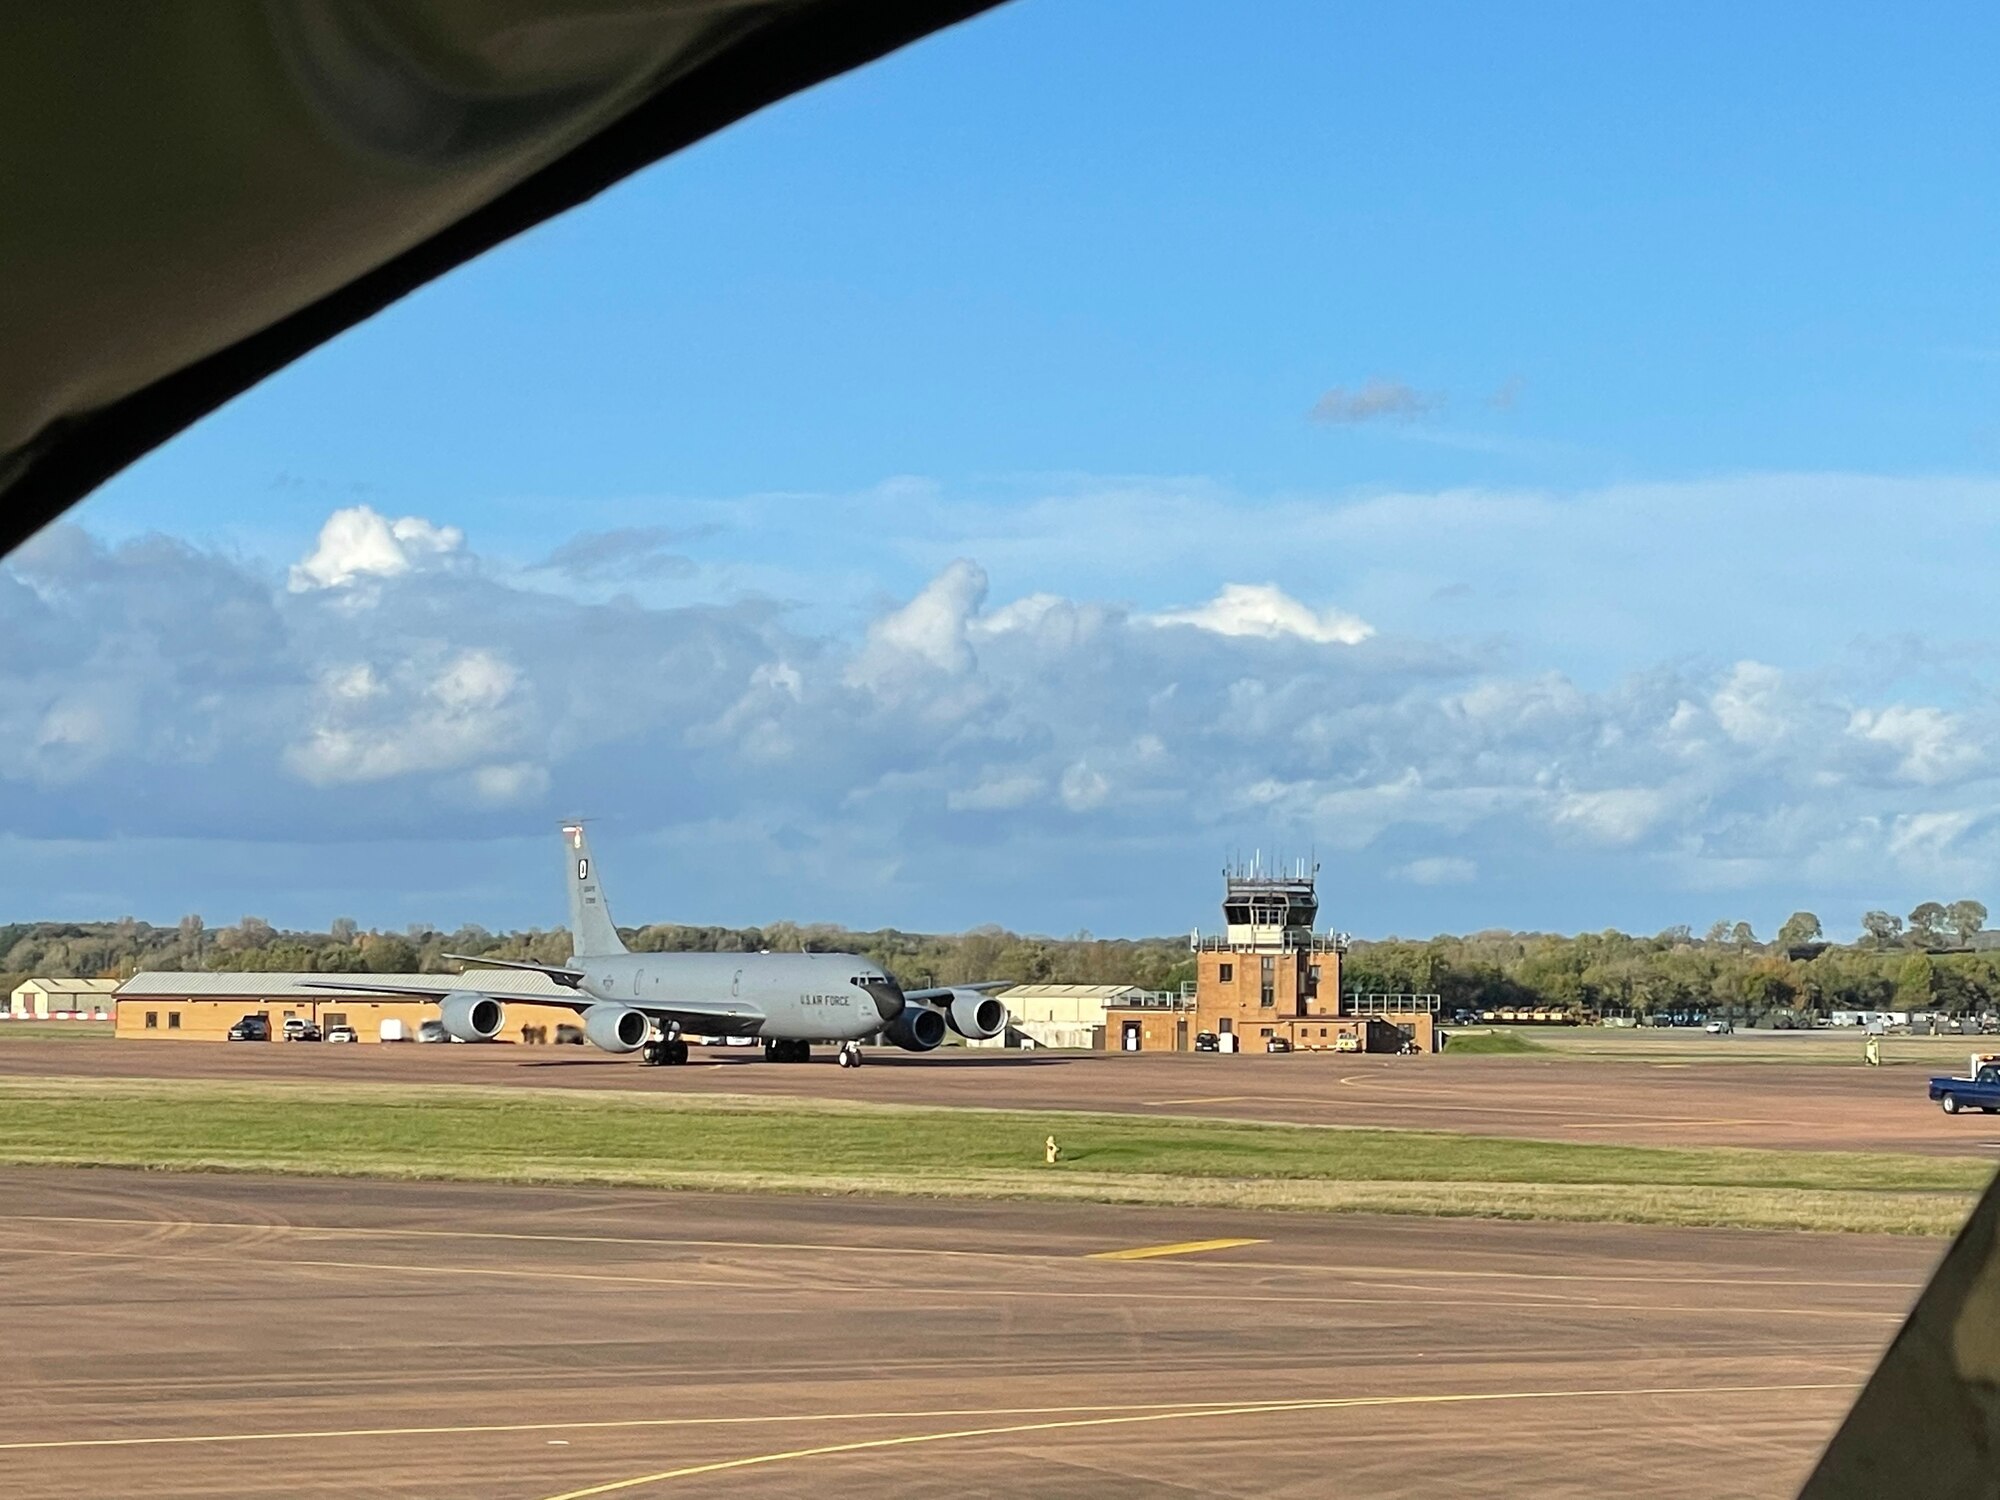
{"x":1269,"y":967}
{"x":1271,"y":977}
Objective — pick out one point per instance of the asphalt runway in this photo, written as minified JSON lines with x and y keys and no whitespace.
{"x":1791,"y":1106}
{"x":187,"y":1336}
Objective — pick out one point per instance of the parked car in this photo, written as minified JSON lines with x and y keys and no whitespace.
{"x":342,"y":1034}
{"x":251,"y":1029}
{"x":1207,"y":1041}
{"x":1277,"y":1044}
{"x":299,"y":1029}
{"x":432,"y":1031}
{"x":1720,"y":1028}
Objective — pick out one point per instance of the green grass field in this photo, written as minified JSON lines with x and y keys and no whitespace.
{"x":518,"y":1135}
{"x":55,"y":1031}
{"x":1492,"y":1043}
{"x":1829,"y":1047}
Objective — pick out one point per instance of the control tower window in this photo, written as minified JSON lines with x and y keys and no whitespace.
{"x":1227,"y":974}
{"x":1267,"y":992}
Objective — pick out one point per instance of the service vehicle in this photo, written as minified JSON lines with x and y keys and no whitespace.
{"x":1981,"y":1091}
{"x":342,"y":1034}
{"x":1277,"y":1044}
{"x":299,"y":1029}
{"x":251,"y":1029}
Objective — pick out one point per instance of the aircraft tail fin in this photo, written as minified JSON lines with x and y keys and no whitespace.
{"x":592,"y":934}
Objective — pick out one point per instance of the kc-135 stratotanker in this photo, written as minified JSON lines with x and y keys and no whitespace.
{"x":647,"y":1002}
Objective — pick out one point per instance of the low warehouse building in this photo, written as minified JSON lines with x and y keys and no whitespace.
{"x":1060,"y":1015}
{"x":201,"y":1007}
{"x":42,"y":997}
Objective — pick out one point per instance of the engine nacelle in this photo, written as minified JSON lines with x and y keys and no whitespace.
{"x":917,"y":1029}
{"x":976,"y":1015}
{"x":616,"y":1028}
{"x":471,"y":1018}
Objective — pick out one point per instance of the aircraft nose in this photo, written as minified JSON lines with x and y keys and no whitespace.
{"x":887,"y":995}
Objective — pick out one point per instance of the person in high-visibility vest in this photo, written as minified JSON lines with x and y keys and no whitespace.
{"x":1054,"y":1151}
{"x":1871,"y":1051}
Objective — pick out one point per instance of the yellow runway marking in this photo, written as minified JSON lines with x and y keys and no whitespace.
{"x":950,"y":1292}
{"x":1211,"y":1099}
{"x":1185,"y":1247}
{"x":1180,"y":1415}
{"x":410,"y":1266}
{"x":1357,"y":1272}
{"x":612,"y":1425}
{"x":387,"y":1232}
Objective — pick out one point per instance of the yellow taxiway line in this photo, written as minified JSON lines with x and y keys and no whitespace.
{"x":1184,"y":1414}
{"x":1185,"y":1247}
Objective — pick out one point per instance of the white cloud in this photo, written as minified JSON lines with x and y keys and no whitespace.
{"x":1930,"y":744}
{"x":1082,"y":788}
{"x":945,"y":747}
{"x":929,"y":632}
{"x":452,"y":716}
{"x":1265,"y":611}
{"x":1442,"y":869}
{"x":1617,"y":815}
{"x":998,"y":793}
{"x":358,"y":542}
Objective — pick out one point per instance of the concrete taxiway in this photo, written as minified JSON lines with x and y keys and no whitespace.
{"x":233,"y":1337}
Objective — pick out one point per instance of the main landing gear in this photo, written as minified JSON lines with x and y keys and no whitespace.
{"x":788,"y":1051}
{"x":662,"y":1053}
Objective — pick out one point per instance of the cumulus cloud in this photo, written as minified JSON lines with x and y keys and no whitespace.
{"x":1268,"y":612}
{"x":1374,"y":400}
{"x":953,"y":746}
{"x":359,"y":542}
{"x":931,"y":632}
{"x":1930,"y":746}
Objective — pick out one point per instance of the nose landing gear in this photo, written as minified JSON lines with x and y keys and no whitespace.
{"x":850,"y":1054}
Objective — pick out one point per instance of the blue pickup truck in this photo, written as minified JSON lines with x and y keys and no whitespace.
{"x":1980,"y":1091}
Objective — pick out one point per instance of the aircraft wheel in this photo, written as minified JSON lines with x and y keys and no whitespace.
{"x":650,"y":1054}
{"x":677,"y":1051}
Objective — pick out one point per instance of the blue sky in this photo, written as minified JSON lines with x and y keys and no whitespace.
{"x":1545,"y":462}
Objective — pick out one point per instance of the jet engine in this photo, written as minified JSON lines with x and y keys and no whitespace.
{"x":917,"y":1029}
{"x":976,"y":1015}
{"x":471,"y":1018}
{"x":616,"y":1028}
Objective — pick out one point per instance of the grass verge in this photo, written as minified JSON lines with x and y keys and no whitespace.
{"x":1490,"y":1043}
{"x":56,"y":1031}
{"x":734,"y":1144}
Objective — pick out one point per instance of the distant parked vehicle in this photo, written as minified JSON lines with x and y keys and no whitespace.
{"x":1720,"y":1028}
{"x":251,"y":1029}
{"x":299,"y":1029}
{"x":1277,"y":1044}
{"x":432,"y":1031}
{"x":342,"y":1034}
{"x":1207,"y":1041}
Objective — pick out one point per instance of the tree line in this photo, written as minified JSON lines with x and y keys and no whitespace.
{"x":1924,"y":961}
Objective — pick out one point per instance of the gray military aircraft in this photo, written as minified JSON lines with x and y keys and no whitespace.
{"x":647,"y":1002}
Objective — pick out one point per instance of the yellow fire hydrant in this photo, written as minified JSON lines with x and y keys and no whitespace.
{"x":1054,"y":1151}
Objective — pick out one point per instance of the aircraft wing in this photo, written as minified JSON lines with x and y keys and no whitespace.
{"x":943,"y":992}
{"x":439,"y":992}
{"x":688,"y":1012}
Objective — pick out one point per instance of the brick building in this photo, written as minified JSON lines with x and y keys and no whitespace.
{"x":1270,"y":975}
